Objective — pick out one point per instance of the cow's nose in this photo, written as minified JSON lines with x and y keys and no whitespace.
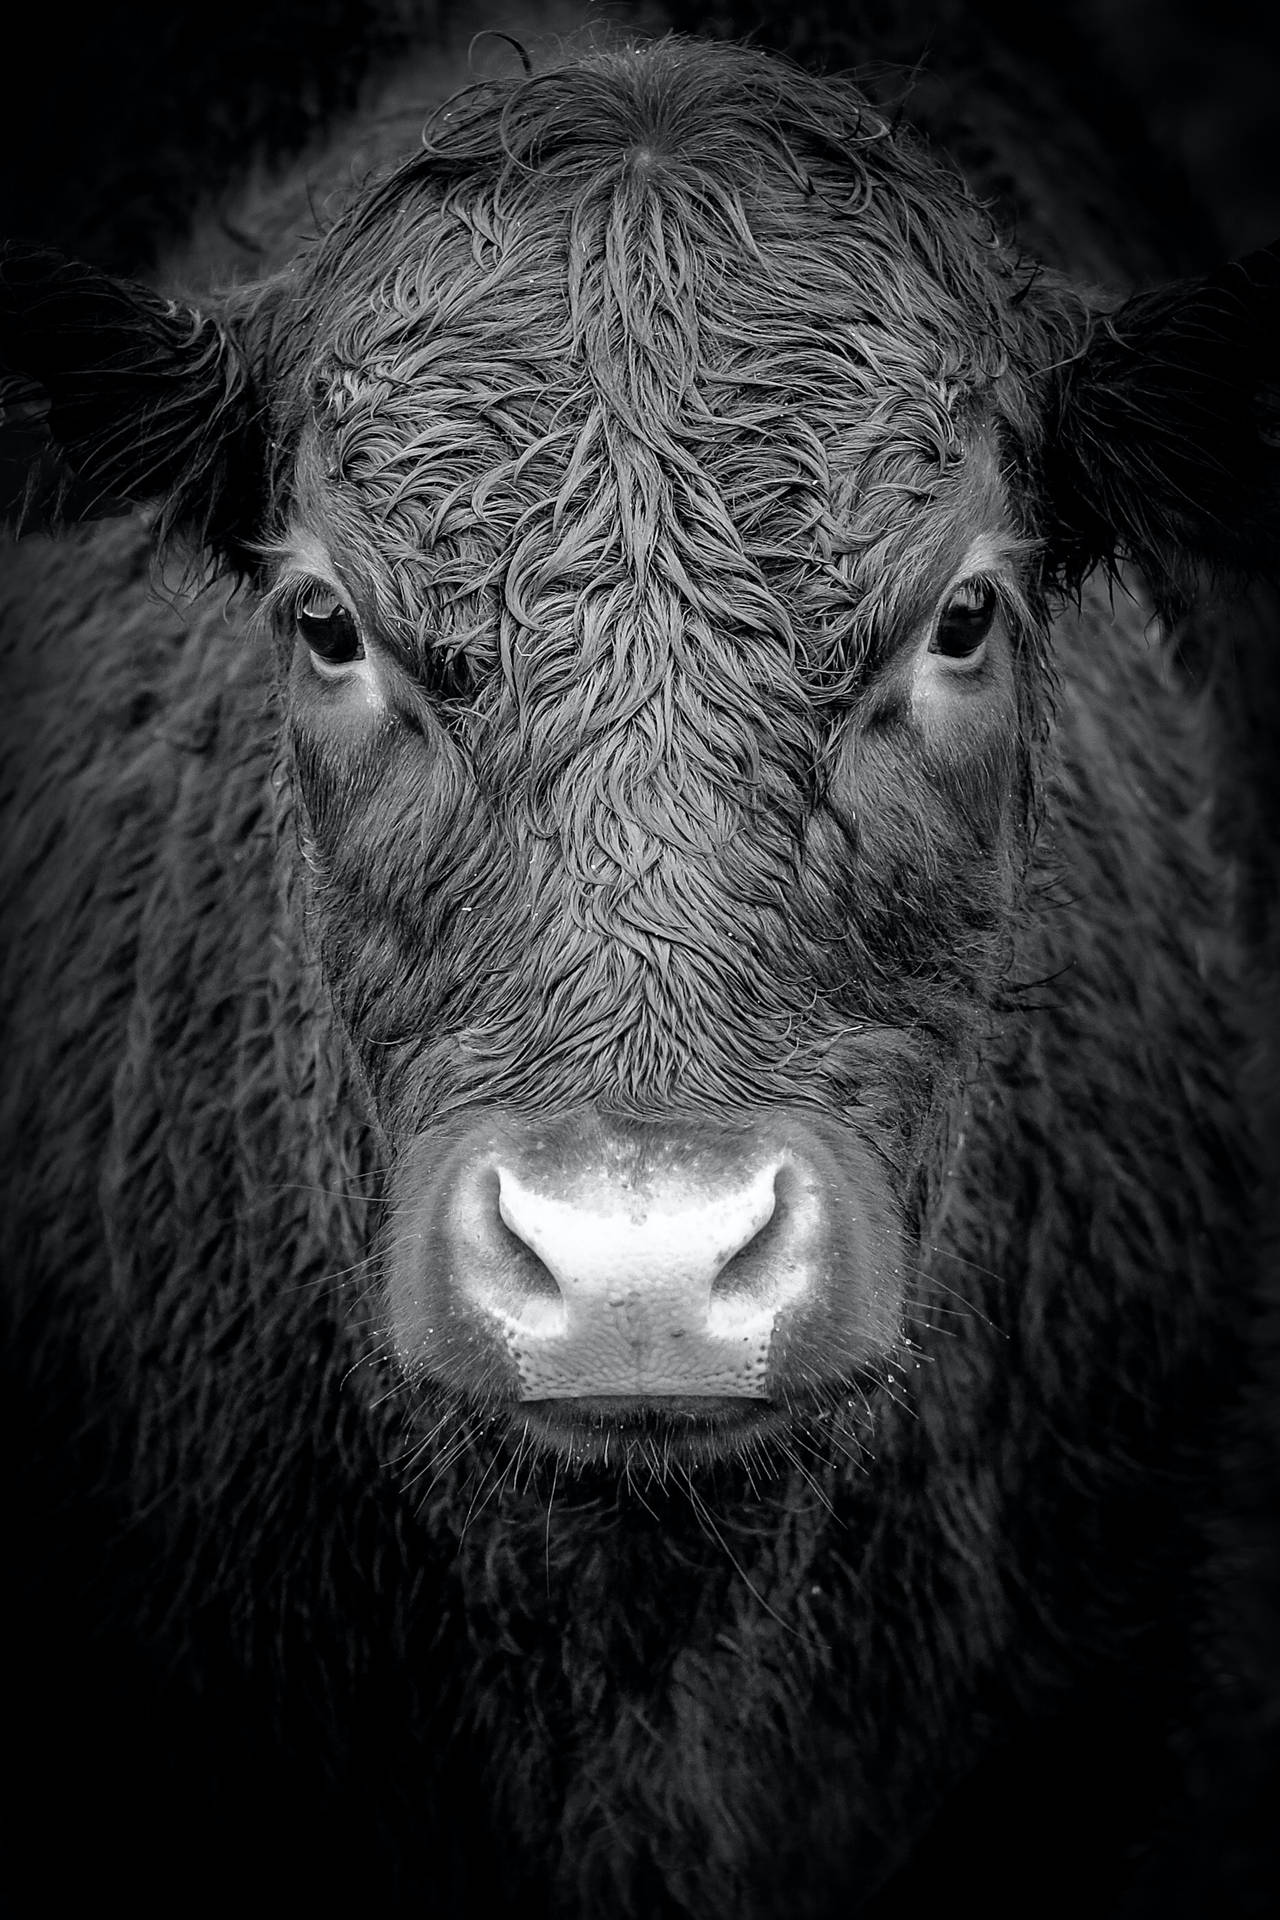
{"x":626,"y":1292}
{"x":573,"y":1257}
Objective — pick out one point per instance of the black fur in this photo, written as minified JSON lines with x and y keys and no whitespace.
{"x":321,"y":1630}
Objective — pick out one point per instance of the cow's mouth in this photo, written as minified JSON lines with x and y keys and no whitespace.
{"x":676,"y":1432}
{"x":608,"y":1443}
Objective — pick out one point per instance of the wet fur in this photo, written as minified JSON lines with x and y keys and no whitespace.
{"x":379,"y":1628}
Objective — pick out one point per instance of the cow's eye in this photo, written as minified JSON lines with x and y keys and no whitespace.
{"x":964,"y":623}
{"x":328,"y":629}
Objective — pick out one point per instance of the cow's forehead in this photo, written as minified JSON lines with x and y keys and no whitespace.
{"x":649,"y":224}
{"x":536,"y":367}
{"x":768,"y":373}
{"x":636,"y":287}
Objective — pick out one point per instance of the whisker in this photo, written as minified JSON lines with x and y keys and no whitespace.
{"x":474,"y":1510}
{"x":949,"y":1253}
{"x":323,"y":1281}
{"x":546,"y":1530}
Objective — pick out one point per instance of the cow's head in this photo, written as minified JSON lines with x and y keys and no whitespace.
{"x":655,"y":488}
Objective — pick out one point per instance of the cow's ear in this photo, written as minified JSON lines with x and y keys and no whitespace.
{"x":1163,"y":442}
{"x":145,"y":400}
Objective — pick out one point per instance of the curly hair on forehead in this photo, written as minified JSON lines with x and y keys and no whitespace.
{"x":716,"y":153}
{"x":709,"y":316}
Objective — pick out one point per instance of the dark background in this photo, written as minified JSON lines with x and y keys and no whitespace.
{"x":118,"y":122}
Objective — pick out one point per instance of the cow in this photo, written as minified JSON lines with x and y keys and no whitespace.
{"x":628,"y":1017}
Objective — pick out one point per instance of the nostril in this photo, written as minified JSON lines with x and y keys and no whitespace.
{"x":757,"y":1224}
{"x":536,"y":1276}
{"x":516,"y":1224}
{"x":741,"y":1273}
{"x":771,"y":1269}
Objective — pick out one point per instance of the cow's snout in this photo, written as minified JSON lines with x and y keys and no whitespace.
{"x":576,"y":1260}
{"x":653,"y":1287}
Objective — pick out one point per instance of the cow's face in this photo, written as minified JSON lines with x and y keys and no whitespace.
{"x":661,"y":477}
{"x":659,"y":658}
